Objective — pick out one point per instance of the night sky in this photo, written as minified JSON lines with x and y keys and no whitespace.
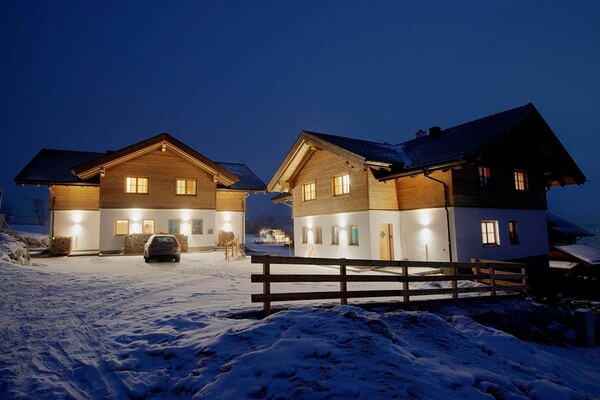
{"x":239,"y":81}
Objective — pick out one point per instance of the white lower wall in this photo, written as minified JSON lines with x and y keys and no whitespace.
{"x":532,"y":227}
{"x":82,"y":226}
{"x":424,"y":235}
{"x":230,"y":221}
{"x":111,"y":243}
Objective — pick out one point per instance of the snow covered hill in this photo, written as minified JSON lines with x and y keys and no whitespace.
{"x":115,"y":327}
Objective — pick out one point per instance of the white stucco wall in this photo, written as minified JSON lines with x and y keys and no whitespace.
{"x":424,"y":235}
{"x":82,"y":226}
{"x":110,"y":243}
{"x":532,"y":227}
{"x":377,"y":218}
{"x":230,"y":221}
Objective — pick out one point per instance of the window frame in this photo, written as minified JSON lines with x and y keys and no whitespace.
{"x":350,"y":236}
{"x":318,"y":235}
{"x":335,"y":235}
{"x":137,"y":185}
{"x":117,"y":220}
{"x":485,"y":177}
{"x":521,"y":185}
{"x":304,"y":235}
{"x":193,"y":228}
{"x":178,"y":226}
{"x":153,"y":226}
{"x":513,"y":232}
{"x":185,"y":186}
{"x":485,"y":233}
{"x":344,"y":186}
{"x":311,"y":193}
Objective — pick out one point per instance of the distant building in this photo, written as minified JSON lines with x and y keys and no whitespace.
{"x":156,"y":185}
{"x":477,"y":190}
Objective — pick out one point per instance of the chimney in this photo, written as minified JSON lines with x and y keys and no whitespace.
{"x":435,"y":131}
{"x":421,"y":133}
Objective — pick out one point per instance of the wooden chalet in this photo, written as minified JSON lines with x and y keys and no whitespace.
{"x":477,"y":190}
{"x":157,"y":185}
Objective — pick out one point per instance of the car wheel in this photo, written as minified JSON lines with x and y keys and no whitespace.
{"x":177,"y":259}
{"x":147,"y":259}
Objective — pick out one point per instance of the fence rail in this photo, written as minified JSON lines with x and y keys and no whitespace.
{"x":491,"y":273}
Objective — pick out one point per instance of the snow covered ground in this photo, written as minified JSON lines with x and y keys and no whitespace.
{"x":115,"y":327}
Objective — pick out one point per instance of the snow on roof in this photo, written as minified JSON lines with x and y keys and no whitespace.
{"x":588,"y":254}
{"x":54,"y":166}
{"x":565,"y":228}
{"x":247,"y":179}
{"x":563,"y":264}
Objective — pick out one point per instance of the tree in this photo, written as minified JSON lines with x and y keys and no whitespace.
{"x":40,"y":210}
{"x":7,"y":210}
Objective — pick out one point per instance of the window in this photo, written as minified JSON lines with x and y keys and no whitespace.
{"x":341,"y":185}
{"x":335,"y":234}
{"x":513,"y":231}
{"x":136,"y":185}
{"x":353,"y":235}
{"x":197,"y":227}
{"x":174,"y":226}
{"x":148,"y":226}
{"x":304,"y":234}
{"x":318,"y":235}
{"x":521,"y":180}
{"x":485,"y":177}
{"x":309,"y":191}
{"x":489,"y":233}
{"x":121,"y":227}
{"x":186,"y":187}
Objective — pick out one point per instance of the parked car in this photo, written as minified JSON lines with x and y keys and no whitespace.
{"x":162,"y":247}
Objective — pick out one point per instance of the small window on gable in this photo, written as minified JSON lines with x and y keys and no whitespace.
{"x":318,"y":235}
{"x":335,"y":234}
{"x":197,"y":227}
{"x":174,"y":226}
{"x":309,"y":191}
{"x":149,"y":226}
{"x":489,"y":233}
{"x":485,"y":177}
{"x":136,"y":185}
{"x":341,"y":184}
{"x":513,"y":230}
{"x":121,"y":227}
{"x":521,"y":180}
{"x":185,"y":187}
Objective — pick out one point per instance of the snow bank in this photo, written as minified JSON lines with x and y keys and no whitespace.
{"x":115,"y":327}
{"x":13,"y":250}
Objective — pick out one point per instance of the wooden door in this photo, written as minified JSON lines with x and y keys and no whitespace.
{"x":386,"y":245}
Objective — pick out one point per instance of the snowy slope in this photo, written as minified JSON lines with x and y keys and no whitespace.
{"x":115,"y":327}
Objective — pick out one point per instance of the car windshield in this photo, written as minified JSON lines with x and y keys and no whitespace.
{"x":164,"y":240}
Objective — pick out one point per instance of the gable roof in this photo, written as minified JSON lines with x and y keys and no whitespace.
{"x":452,"y":147}
{"x":562,"y":227}
{"x":50,"y":166}
{"x":583,"y":252}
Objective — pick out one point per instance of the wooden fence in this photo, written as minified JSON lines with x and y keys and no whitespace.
{"x":233,"y":247}
{"x":496,"y":277}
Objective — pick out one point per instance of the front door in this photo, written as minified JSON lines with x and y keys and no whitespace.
{"x":386,"y":245}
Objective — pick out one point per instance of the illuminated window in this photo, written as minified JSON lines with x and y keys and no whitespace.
{"x":341,"y":185}
{"x":485,"y":177}
{"x":304,"y":234}
{"x":121,"y":227}
{"x":136,"y":185}
{"x":309,"y":191}
{"x":335,"y":234}
{"x":318,"y":235}
{"x":489,"y":233}
{"x":521,"y":180}
{"x":148,"y":226}
{"x":197,"y":227}
{"x":186,"y":187}
{"x":174,"y":226}
{"x":353,"y":235}
{"x":513,"y":230}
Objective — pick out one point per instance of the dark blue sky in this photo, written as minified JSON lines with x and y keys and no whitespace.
{"x":239,"y":80}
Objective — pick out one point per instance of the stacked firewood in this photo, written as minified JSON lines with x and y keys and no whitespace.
{"x":60,"y":245}
{"x":224,"y":237}
{"x":134,"y":243}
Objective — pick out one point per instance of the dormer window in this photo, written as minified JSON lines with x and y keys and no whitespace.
{"x":521,"y":180}
{"x":341,"y":185}
{"x":485,"y":177}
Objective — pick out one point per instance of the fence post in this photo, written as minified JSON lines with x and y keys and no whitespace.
{"x":492,"y":280}
{"x":406,"y":298}
{"x":524,"y":280}
{"x":267,"y":288}
{"x":343,"y":283}
{"x":454,"y":283}
{"x":476,"y":272}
